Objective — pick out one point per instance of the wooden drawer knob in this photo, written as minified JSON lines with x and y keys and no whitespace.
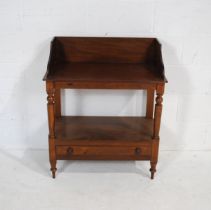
{"x":137,"y":151}
{"x":69,"y":151}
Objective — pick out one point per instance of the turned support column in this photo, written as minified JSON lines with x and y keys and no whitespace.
{"x":156,"y":128}
{"x":51,"y":123}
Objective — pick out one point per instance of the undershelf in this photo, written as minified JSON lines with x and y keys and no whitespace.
{"x":78,"y":130}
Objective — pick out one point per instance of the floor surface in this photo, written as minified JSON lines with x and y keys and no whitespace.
{"x":182,"y":181}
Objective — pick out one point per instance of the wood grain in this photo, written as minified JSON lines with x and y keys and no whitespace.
{"x":111,"y":130}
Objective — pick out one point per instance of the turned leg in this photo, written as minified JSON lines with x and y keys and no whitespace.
{"x":52,"y":157}
{"x":153,"y":169}
{"x":51,"y":123}
{"x":158,"y":111}
{"x":156,"y":129}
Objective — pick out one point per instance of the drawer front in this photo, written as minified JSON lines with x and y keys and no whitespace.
{"x":103,"y":152}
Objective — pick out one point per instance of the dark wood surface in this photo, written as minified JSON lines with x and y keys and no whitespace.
{"x":103,"y":130}
{"x":105,"y":59}
{"x":103,"y":50}
{"x":105,"y":63}
{"x":104,"y":72}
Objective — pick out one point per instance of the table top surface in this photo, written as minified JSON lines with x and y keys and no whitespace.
{"x":104,"y":72}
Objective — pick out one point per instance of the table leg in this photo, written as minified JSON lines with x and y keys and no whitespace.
{"x":156,"y":129}
{"x":51,"y":123}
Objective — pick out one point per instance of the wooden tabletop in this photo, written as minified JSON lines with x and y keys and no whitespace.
{"x":104,"y":72}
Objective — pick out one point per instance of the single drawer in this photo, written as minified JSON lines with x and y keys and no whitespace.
{"x":103,"y":152}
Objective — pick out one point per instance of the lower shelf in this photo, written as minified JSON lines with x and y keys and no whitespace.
{"x":103,"y":138}
{"x":103,"y":130}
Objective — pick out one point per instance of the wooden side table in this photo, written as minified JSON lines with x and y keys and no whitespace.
{"x":104,"y":63}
